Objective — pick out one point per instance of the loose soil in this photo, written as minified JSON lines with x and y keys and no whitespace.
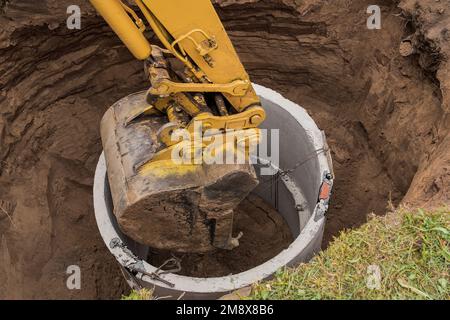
{"x":264,"y":235}
{"x":386,"y":117}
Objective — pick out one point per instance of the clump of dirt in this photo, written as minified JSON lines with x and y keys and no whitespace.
{"x":264,"y":235}
{"x":386,"y":117}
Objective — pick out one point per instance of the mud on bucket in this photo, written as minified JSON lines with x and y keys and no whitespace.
{"x":297,"y":185}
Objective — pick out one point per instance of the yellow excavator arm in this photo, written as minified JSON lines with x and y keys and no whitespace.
{"x":192,"y":32}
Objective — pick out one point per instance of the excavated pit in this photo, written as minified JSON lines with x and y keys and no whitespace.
{"x":264,"y":235}
{"x":385,"y":115}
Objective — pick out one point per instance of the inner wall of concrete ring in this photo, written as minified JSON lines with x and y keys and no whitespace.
{"x":295,"y":195}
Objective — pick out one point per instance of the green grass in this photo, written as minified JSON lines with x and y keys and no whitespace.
{"x":411,"y":250}
{"x":143,"y":294}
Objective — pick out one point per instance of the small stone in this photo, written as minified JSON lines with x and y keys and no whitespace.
{"x":406,"y":48}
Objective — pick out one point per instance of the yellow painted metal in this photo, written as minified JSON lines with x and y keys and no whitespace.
{"x":250,"y":118}
{"x":159,"y":30}
{"x":221,"y":65}
{"x":187,"y":104}
{"x":237,"y":88}
{"x":182,"y":100}
{"x":193,"y":32}
{"x":180,"y":17}
{"x":160,"y":166}
{"x":118,"y":19}
{"x":237,"y":121}
{"x":204,"y":148}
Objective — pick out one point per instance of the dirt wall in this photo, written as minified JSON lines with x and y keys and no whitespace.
{"x":385,"y":115}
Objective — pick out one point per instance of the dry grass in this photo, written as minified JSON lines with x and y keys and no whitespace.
{"x":143,"y":294}
{"x":413,"y":256}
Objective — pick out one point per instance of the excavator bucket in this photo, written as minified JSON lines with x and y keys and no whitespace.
{"x":197,"y":78}
{"x":168,"y":206}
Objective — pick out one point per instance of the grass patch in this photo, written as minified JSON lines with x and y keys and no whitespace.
{"x":410,"y":250}
{"x":143,"y":294}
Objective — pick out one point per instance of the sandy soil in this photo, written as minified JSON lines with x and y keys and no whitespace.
{"x":386,"y":117}
{"x":264,"y":235}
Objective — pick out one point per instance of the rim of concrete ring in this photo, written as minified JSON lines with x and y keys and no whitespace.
{"x":243,"y":279}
